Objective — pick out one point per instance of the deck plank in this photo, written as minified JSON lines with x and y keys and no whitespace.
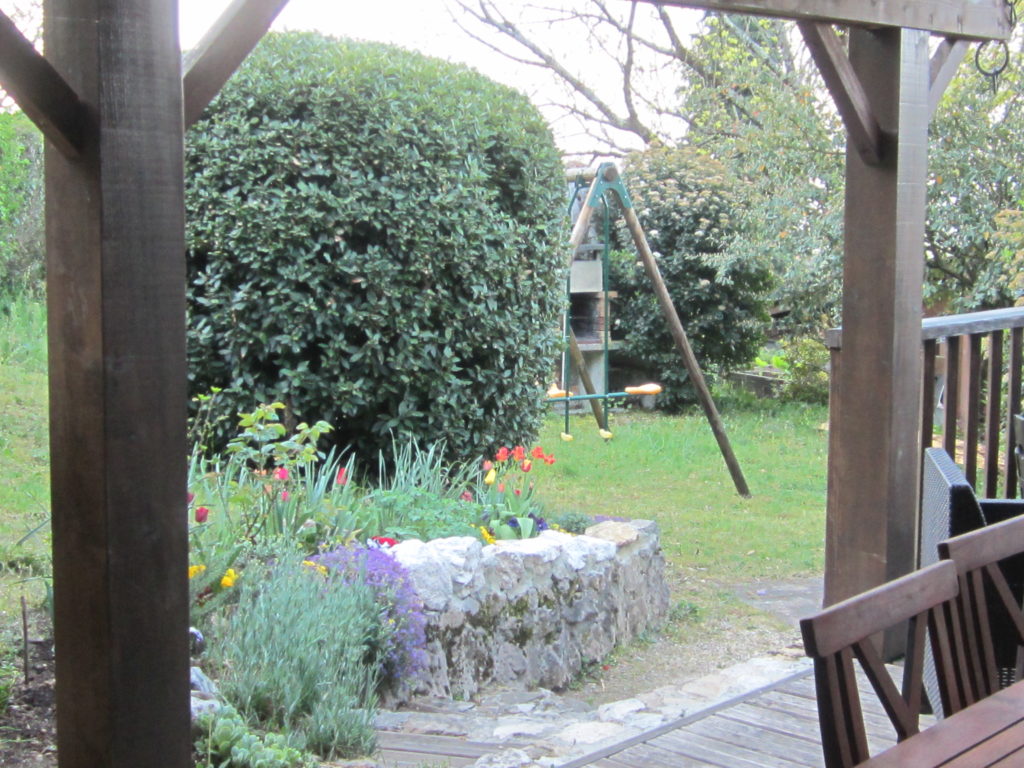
{"x":650,"y":756}
{"x":720,"y":753}
{"x":419,"y":749}
{"x":779,"y":742}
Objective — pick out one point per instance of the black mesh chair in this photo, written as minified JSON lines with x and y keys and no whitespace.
{"x":950,"y":508}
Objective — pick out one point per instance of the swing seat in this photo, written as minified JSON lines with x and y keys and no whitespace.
{"x":644,"y":389}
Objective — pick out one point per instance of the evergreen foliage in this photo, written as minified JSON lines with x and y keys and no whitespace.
{"x":373,"y":240}
{"x":685,"y":204}
{"x":22,"y":247}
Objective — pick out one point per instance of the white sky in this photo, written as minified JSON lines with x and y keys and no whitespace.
{"x":426,"y":26}
{"x":422,"y":25}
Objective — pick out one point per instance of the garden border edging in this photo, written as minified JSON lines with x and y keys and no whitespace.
{"x":530,"y":613}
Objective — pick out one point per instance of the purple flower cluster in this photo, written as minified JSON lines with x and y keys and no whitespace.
{"x":404,"y":651}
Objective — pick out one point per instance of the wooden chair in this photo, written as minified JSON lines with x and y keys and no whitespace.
{"x":949,"y":507}
{"x":991,"y":631}
{"x":924,"y":599}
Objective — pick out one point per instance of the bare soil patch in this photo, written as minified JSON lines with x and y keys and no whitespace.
{"x":28,"y":733}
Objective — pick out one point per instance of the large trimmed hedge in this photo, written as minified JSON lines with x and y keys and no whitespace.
{"x":375,"y":239}
{"x":685,"y":200}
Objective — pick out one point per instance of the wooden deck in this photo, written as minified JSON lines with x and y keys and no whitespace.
{"x":407,"y":749}
{"x":772,"y":727}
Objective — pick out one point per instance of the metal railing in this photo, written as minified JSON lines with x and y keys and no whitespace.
{"x":971,"y":390}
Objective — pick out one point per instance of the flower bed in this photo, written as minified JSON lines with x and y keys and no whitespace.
{"x":530,"y":612}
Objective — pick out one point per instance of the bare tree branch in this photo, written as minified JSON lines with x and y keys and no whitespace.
{"x":628,"y":119}
{"x":683,"y":54}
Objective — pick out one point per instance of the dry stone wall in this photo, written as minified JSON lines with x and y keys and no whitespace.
{"x":530,"y":613}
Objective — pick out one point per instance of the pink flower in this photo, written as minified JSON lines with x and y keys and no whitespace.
{"x":281,"y":473}
{"x":501,"y":487}
{"x":502,"y":454}
{"x":342,"y":477}
{"x":191,"y":496}
{"x":202,"y":513}
{"x":285,"y":495}
{"x":466,"y":496}
{"x":381,"y":542}
{"x":518,"y":492}
{"x":488,"y":465}
{"x":527,"y":465}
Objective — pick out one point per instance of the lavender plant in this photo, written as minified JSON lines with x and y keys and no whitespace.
{"x":295,"y":656}
{"x":401,"y":652}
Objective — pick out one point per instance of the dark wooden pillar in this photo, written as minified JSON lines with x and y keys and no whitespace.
{"x":116,"y":282}
{"x":873,"y":443}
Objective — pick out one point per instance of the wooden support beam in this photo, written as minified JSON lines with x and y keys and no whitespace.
{"x":874,"y":450}
{"x":682,"y":342}
{"x":209,"y":65}
{"x":971,"y":19}
{"x":827,"y":51}
{"x":576,"y":355}
{"x":118,"y":405}
{"x":944,"y":64}
{"x":43,"y":95}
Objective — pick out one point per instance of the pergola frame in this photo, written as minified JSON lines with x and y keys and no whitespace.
{"x":110,"y":100}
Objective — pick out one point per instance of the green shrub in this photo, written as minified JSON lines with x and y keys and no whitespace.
{"x":374,"y":240}
{"x":684,"y":203}
{"x":805,"y":377}
{"x":572,"y":521}
{"x":419,"y":514}
{"x":297,"y":657}
{"x":22,"y":246}
{"x":226,"y":741}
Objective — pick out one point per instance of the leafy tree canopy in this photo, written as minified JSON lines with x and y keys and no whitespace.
{"x":686,"y":203}
{"x":750,"y":95}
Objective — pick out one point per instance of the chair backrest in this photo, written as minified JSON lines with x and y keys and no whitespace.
{"x":991,"y":632}
{"x":924,"y":599}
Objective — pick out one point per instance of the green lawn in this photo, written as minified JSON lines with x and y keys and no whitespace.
{"x":665,"y":468}
{"x":24,"y":452}
{"x":670,"y":469}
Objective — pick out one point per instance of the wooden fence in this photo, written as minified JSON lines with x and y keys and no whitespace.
{"x":971,"y":390}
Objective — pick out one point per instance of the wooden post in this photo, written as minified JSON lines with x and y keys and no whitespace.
{"x":116,"y":297}
{"x":875,"y":420}
{"x":576,"y":355}
{"x":675,"y":327}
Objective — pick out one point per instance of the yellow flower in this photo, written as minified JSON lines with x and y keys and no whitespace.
{"x":321,"y":569}
{"x":488,"y":538}
{"x":229,"y":578}
{"x":195,"y":570}
{"x":566,"y":436}
{"x":490,"y":477}
{"x":605,"y":434}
